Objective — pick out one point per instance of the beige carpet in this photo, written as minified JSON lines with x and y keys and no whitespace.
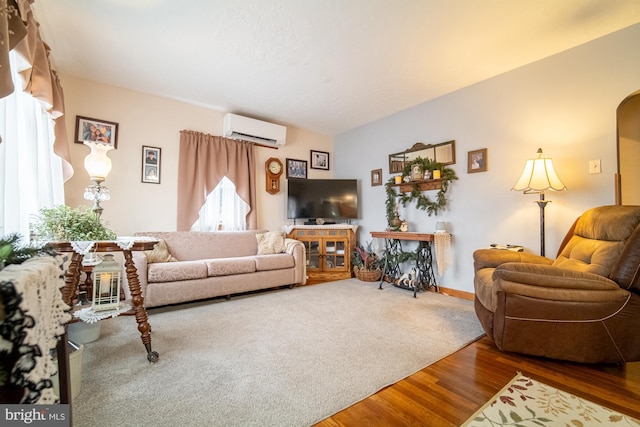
{"x":527,"y":402}
{"x":289,"y":357}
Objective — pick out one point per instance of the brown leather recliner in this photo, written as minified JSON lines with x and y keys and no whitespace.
{"x":584,"y":306}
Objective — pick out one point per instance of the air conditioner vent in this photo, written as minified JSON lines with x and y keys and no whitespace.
{"x":253,"y":130}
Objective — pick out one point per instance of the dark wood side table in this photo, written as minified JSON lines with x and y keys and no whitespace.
{"x":72,"y":278}
{"x":425,"y":277}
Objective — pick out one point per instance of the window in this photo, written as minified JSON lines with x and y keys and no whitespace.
{"x":30,"y":173}
{"x":223,"y":209}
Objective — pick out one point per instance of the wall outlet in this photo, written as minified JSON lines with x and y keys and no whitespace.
{"x":594,"y":167}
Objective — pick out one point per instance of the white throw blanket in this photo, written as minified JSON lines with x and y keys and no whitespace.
{"x":39,"y":317}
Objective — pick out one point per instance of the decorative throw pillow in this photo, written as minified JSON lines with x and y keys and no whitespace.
{"x":160,"y":253}
{"x":271,"y":242}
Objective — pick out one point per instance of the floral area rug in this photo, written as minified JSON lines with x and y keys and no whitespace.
{"x":527,"y":402}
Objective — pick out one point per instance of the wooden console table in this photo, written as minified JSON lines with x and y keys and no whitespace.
{"x":425,"y":278}
{"x":72,"y":278}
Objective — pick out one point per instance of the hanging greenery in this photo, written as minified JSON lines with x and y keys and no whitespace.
{"x":422,"y":201}
{"x":14,"y":251}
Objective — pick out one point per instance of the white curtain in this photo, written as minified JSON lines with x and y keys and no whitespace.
{"x":30,"y":173}
{"x":223,"y":209}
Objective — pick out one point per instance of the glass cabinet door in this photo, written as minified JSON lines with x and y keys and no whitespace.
{"x":335,"y":253}
{"x":313,"y":254}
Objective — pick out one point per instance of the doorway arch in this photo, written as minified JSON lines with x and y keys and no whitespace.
{"x":628,"y":130}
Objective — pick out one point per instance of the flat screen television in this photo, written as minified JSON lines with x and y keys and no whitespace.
{"x":330,"y":199}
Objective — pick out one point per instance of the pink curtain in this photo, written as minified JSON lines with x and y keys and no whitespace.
{"x":204,"y":160}
{"x":19,"y":31}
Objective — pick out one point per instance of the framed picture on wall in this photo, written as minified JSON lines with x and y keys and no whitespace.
{"x":477,"y":161}
{"x":319,"y":160}
{"x":151,"y":164}
{"x":96,"y":130}
{"x":376,"y":177}
{"x":296,"y":168}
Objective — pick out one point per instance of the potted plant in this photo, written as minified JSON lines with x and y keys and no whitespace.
{"x":367,"y":265}
{"x":64,"y":224}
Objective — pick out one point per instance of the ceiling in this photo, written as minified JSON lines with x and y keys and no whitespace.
{"x":324,"y":65}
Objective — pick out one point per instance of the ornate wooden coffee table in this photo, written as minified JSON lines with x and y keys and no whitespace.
{"x":124,"y":245}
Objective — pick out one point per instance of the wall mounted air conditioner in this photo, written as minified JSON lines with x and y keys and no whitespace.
{"x":252,"y":130}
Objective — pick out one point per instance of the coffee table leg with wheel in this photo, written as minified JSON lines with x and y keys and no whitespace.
{"x":138,"y":305}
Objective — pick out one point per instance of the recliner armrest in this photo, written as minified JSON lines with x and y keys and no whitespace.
{"x":553,"y":283}
{"x":492,"y":258}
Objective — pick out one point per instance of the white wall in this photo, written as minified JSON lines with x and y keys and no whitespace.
{"x":157,"y":122}
{"x":565,"y":104}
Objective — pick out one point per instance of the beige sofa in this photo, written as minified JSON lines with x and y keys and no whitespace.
{"x":202,"y":265}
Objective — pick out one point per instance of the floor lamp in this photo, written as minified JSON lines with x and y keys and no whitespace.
{"x":537,"y":177}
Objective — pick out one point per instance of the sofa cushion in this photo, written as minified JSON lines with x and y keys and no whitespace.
{"x":173,"y":271}
{"x":274,"y":262}
{"x":199,"y":245}
{"x":271,"y":242}
{"x":230,"y":266}
{"x":160,"y":253}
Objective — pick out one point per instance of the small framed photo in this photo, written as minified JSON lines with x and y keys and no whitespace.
{"x":96,"y":130}
{"x":477,"y":161}
{"x":296,"y":168}
{"x":416,"y":172}
{"x":151,"y":164}
{"x":376,"y":177}
{"x":319,"y":160}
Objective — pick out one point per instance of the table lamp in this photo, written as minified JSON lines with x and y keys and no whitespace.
{"x":98,"y":166}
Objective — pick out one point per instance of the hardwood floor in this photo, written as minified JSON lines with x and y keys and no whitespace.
{"x":452,"y":389}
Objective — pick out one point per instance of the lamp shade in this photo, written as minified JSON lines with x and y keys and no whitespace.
{"x":97,"y":163}
{"x":538,"y":176}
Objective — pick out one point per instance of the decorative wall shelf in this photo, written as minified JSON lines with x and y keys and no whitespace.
{"x":425,"y":185}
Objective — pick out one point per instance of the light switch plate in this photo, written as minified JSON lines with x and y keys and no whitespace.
{"x":594,"y":167}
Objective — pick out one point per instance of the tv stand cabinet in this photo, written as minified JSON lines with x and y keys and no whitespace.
{"x":328,"y":250}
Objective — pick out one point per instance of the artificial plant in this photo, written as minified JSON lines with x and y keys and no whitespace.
{"x":365,"y":258}
{"x":62,"y":223}
{"x":12,"y":251}
{"x":423,"y":202}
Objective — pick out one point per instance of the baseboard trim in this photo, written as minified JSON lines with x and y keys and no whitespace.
{"x":456,"y":293}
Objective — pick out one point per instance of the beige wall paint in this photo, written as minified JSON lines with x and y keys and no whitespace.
{"x":154,"y":121}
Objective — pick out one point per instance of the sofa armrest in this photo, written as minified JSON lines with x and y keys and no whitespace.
{"x":297,"y":249}
{"x":492,"y":258}
{"x":140,"y":261}
{"x":553,"y":283}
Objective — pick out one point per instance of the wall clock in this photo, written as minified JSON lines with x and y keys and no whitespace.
{"x":273,"y":168}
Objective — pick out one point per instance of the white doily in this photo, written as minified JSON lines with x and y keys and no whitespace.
{"x":288,"y":228}
{"x":442,"y":244}
{"x":83,"y":247}
{"x":87,"y":315}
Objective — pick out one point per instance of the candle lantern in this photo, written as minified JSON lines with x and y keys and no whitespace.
{"x":106,"y":284}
